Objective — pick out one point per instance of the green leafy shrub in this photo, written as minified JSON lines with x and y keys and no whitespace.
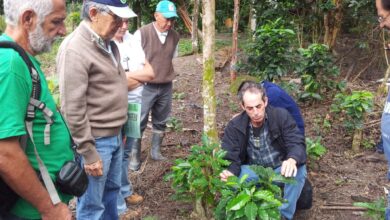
{"x":252,"y":200}
{"x":196,"y":178}
{"x":314,"y":148}
{"x":317,"y":71}
{"x":353,"y":108}
{"x":270,"y":54}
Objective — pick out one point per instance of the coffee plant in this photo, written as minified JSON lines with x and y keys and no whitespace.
{"x":314,"y":148}
{"x":261,"y":199}
{"x":196,"y":178}
{"x":317,"y":71}
{"x":352,"y":110}
{"x":270,"y":54}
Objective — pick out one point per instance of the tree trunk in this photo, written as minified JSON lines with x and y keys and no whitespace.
{"x":182,"y":9}
{"x":208,"y":92}
{"x":233,"y":68}
{"x":332,"y":24}
{"x":357,"y":140}
{"x":194,"y":32}
{"x":251,"y":18}
{"x":199,"y":212}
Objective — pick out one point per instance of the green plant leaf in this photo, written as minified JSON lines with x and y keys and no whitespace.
{"x":263,"y":214}
{"x":238,"y":202}
{"x":251,"y":211}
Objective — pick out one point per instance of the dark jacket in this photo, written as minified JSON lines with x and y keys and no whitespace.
{"x":284,"y":134}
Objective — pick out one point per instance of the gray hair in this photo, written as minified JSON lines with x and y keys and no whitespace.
{"x":14,"y":8}
{"x":87,"y":5}
{"x":252,"y":87}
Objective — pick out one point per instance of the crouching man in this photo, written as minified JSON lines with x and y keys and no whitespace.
{"x":266,"y":136}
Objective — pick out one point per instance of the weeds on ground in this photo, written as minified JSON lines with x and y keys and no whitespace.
{"x":375,"y":209}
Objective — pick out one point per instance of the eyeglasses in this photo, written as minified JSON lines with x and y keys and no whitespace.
{"x":116,"y":18}
{"x":382,"y":19}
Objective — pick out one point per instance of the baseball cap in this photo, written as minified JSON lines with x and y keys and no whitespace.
{"x":118,"y":7}
{"x":167,"y":9}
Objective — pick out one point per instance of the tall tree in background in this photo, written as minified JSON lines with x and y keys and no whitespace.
{"x":252,"y":17}
{"x":208,"y":92}
{"x":233,"y":68}
{"x":332,"y":23}
{"x":194,"y":32}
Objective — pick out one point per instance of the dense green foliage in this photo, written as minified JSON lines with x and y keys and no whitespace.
{"x":270,"y":54}
{"x":352,"y":108}
{"x":196,"y":178}
{"x":252,"y":200}
{"x":317,"y":71}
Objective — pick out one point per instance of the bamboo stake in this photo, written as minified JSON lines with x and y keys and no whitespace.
{"x":354,"y":208}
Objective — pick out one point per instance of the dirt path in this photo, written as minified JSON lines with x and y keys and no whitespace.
{"x":339,"y":177}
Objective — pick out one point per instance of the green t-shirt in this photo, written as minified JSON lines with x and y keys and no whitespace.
{"x":15,"y":90}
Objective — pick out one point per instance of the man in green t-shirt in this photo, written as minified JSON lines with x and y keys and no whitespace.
{"x":33,"y":25}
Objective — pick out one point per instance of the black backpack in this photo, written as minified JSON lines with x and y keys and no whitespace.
{"x":305,"y":200}
{"x":7,"y":196}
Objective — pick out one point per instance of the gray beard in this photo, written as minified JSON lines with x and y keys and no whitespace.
{"x":39,"y":43}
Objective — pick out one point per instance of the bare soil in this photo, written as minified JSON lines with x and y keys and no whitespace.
{"x":339,"y":178}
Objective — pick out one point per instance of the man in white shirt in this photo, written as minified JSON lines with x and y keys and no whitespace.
{"x":136,"y":67}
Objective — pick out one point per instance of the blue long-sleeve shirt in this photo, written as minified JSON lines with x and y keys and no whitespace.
{"x":277,"y":97}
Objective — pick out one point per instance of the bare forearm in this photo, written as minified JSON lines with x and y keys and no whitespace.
{"x":143,"y":75}
{"x":17,"y":172}
{"x":132,"y":84}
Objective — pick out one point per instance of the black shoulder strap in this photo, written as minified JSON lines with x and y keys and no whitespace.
{"x":36,"y":85}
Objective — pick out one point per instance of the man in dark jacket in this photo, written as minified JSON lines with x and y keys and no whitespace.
{"x":266,"y":136}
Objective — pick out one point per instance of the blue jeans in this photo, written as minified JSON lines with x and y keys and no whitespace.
{"x":156,"y":98}
{"x":291,"y":191}
{"x":100,"y":199}
{"x":126,"y":189}
{"x":385,"y":129}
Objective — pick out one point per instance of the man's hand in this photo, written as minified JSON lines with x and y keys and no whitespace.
{"x":289,"y":168}
{"x":94,"y":169}
{"x":59,"y":211}
{"x":225,"y":174}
